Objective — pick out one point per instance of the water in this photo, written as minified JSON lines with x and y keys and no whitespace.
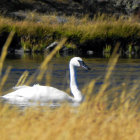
{"x":126,"y":71}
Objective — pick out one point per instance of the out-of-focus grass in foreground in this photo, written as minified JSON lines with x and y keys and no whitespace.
{"x":97,"y":118}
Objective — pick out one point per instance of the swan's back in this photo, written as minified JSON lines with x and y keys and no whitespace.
{"x":37,"y":93}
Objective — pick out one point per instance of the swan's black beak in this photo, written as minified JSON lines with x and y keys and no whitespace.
{"x":82,"y":64}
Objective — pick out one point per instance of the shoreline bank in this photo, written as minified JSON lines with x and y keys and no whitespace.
{"x":98,"y":35}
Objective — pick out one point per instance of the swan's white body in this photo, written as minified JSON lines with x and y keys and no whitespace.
{"x":44,"y":94}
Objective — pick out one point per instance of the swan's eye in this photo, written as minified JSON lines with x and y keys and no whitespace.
{"x":81,"y":62}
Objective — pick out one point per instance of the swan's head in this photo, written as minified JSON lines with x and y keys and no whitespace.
{"x":78,"y":62}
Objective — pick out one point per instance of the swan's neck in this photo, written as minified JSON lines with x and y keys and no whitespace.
{"x":73,"y":84}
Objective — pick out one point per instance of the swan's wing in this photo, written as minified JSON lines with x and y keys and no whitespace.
{"x":56,"y":95}
{"x":37,"y":93}
{"x":21,"y":91}
{"x":24,"y":86}
{"x":19,"y":87}
{"x":47,"y":93}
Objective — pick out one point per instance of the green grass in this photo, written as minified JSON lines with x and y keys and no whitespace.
{"x":84,"y":33}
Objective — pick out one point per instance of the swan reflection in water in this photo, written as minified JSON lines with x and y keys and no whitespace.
{"x":30,"y":95}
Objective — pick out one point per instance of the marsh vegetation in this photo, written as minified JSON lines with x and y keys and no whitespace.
{"x":112,"y":113}
{"x":98,"y":35}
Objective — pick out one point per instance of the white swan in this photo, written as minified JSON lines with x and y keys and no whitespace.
{"x":44,"y":94}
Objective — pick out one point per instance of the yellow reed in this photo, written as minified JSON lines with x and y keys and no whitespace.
{"x":5,"y":48}
{"x":22,"y":78}
{"x":4,"y":78}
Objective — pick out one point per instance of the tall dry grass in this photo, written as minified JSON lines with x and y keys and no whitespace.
{"x":96,"y":118}
{"x":2,"y":58}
